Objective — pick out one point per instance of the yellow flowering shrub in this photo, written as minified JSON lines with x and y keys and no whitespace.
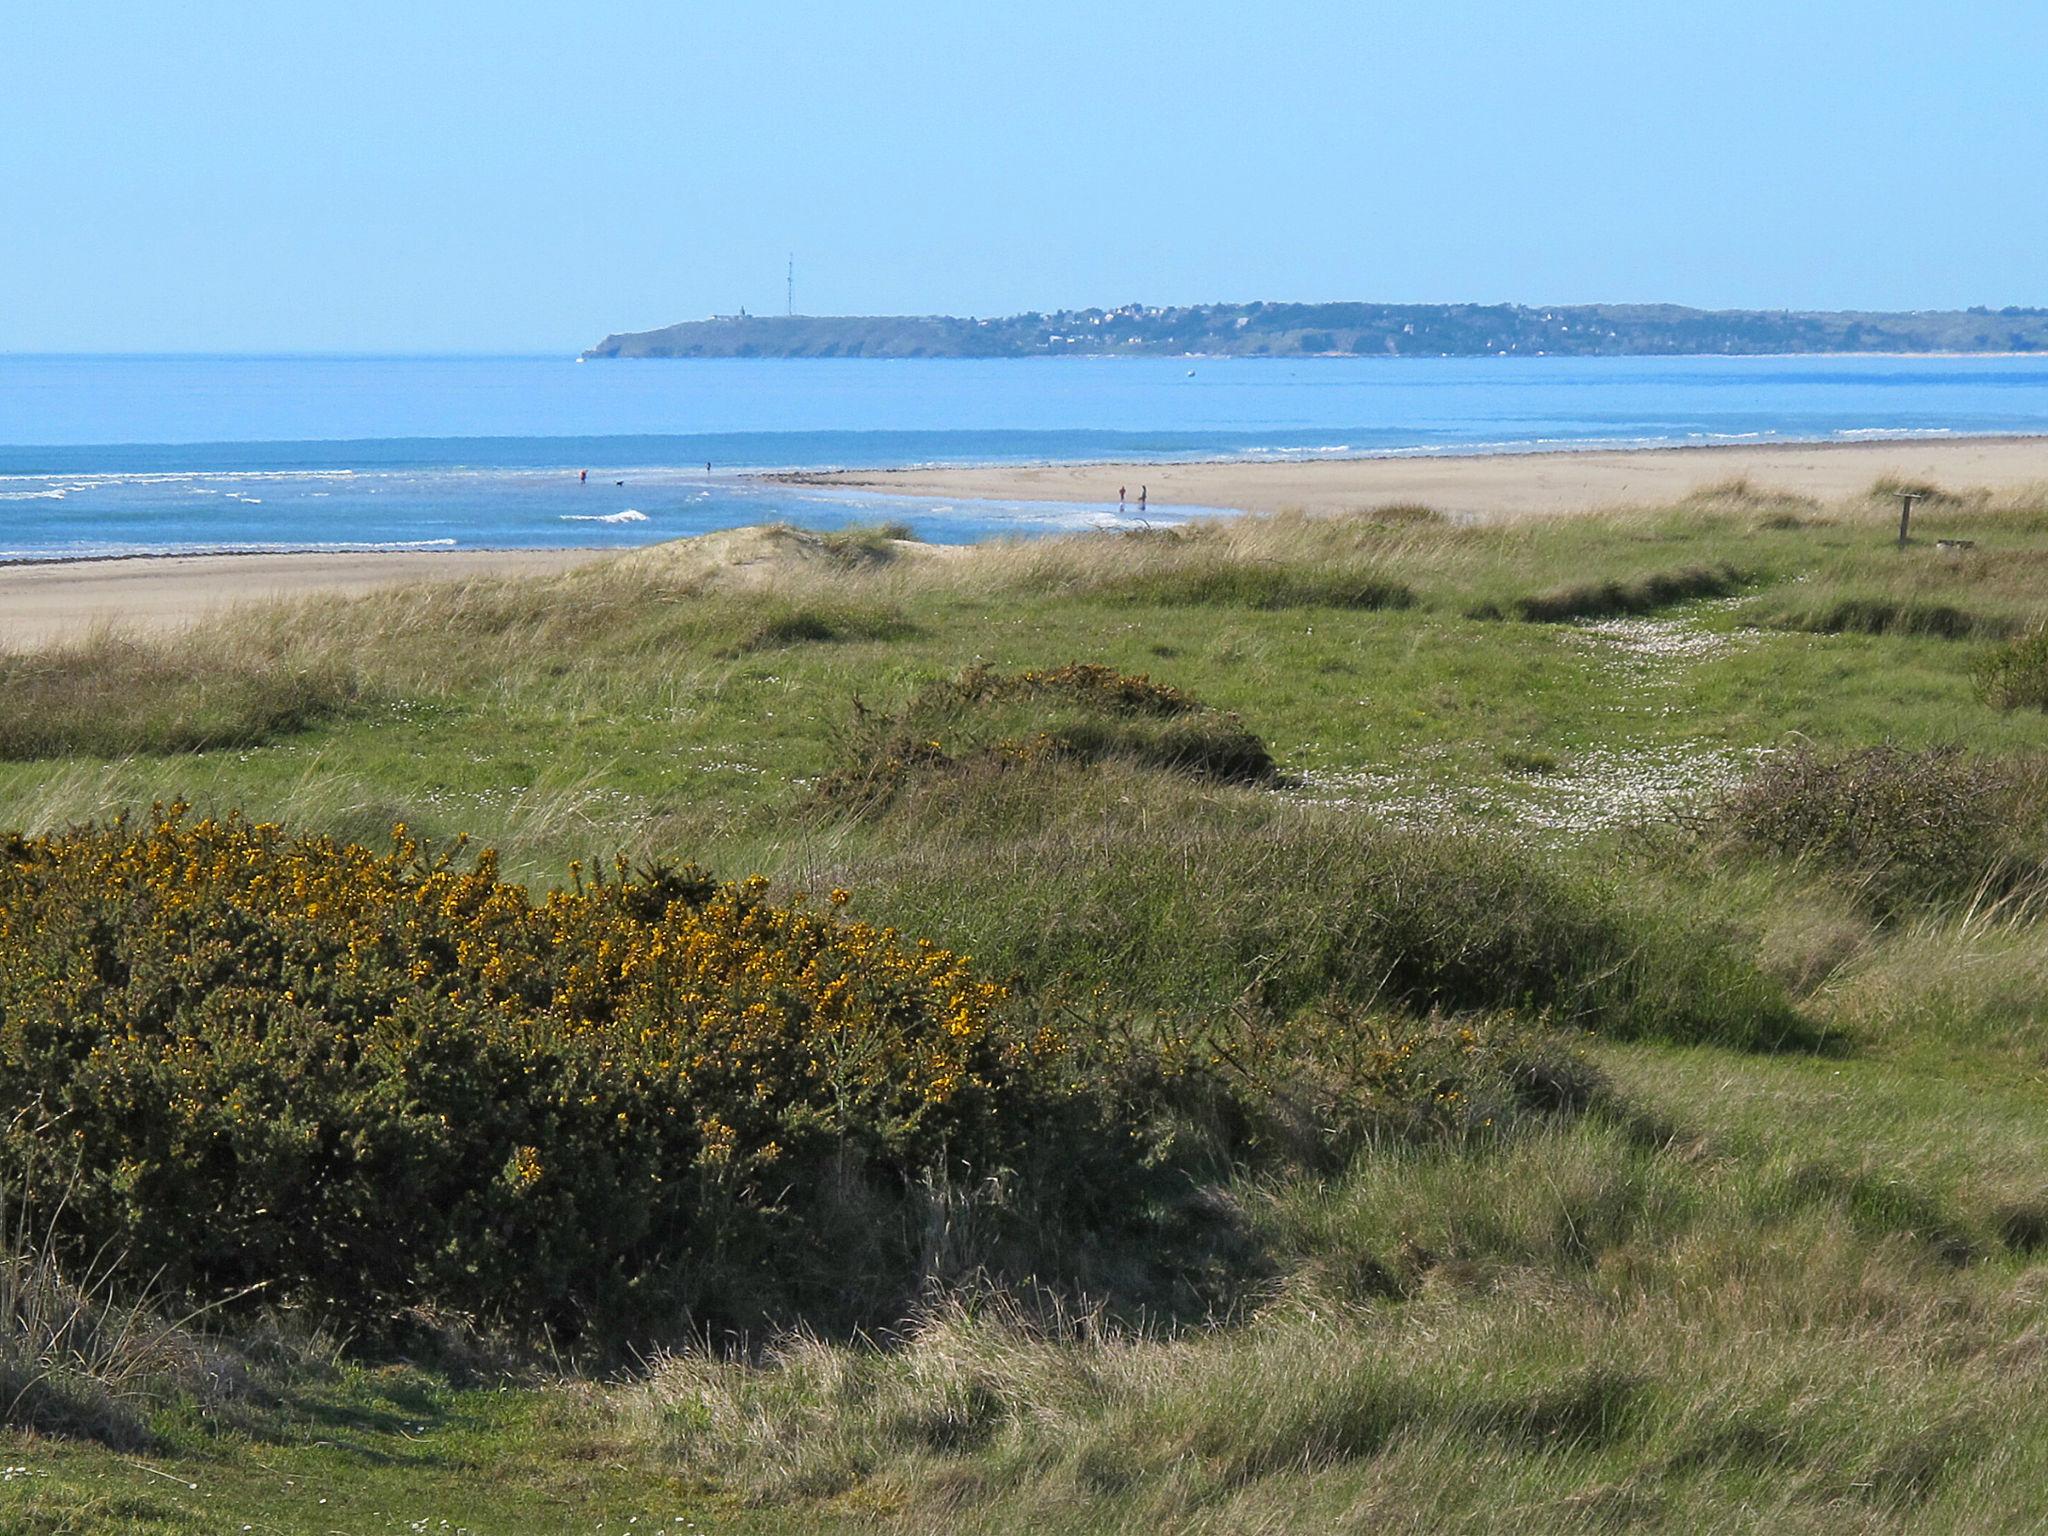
{"x":382,"y":1080}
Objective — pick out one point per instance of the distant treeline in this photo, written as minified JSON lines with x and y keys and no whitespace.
{"x":1368,"y":330}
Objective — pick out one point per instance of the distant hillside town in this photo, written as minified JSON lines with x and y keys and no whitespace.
{"x":1346,"y":330}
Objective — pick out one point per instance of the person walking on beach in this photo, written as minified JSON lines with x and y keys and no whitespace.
{"x":1119,"y":498}
{"x":583,"y":478}
{"x":1141,"y":498}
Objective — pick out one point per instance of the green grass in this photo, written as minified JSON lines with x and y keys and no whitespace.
{"x":385,"y":1450}
{"x":1780,"y":1272}
{"x":623,"y":708}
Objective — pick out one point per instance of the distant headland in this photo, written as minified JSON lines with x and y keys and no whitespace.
{"x":1347,"y":330}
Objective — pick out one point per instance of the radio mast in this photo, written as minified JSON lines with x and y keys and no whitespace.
{"x":791,"y":283}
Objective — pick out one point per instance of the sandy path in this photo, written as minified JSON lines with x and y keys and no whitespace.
{"x":1488,"y":485}
{"x":42,"y":603}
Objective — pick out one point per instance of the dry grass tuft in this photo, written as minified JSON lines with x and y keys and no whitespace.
{"x":1804,"y":1382}
{"x":1741,"y":498}
{"x":111,"y":695}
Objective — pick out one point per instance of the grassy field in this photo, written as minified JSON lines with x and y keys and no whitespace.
{"x":1549,"y":1024}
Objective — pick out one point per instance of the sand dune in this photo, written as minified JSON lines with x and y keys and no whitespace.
{"x":53,"y":601}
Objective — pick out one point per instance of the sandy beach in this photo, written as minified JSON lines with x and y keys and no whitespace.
{"x":1496,"y":485}
{"x":60,"y":599}
{"x":41,"y":603}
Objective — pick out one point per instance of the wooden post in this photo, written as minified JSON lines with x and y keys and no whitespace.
{"x":1906,"y":500}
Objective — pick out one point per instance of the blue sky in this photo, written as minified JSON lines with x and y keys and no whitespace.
{"x":440,"y":175}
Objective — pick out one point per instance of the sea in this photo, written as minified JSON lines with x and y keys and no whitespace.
{"x":103,"y":455}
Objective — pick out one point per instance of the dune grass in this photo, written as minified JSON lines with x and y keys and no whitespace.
{"x":109,"y":696}
{"x":1690,"y":929}
{"x":1556,"y":1403}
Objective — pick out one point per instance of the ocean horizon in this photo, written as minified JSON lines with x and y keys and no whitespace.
{"x":110,"y":455}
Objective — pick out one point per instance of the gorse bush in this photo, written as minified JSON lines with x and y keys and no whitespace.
{"x":384,"y":1084}
{"x":1088,"y":684}
{"x":1314,"y":1089}
{"x":380,"y":1081}
{"x":984,"y":721}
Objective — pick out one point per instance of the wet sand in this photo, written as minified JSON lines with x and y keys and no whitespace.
{"x":1488,"y":485}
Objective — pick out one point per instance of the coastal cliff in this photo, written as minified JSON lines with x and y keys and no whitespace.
{"x":1348,"y":329}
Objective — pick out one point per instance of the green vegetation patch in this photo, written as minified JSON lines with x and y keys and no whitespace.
{"x":1167,"y":913}
{"x":986,"y":722}
{"x":861,"y":544}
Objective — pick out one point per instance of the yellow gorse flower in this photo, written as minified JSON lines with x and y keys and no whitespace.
{"x":207,"y":989}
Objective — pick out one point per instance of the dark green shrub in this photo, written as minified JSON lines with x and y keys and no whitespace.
{"x":986,"y":722}
{"x":821,"y":624}
{"x":2015,"y":675}
{"x":1175,"y":918}
{"x":1896,"y":616}
{"x":1317,"y":1088}
{"x":1617,"y":599}
{"x":1904,"y":825}
{"x":1259,"y":586}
